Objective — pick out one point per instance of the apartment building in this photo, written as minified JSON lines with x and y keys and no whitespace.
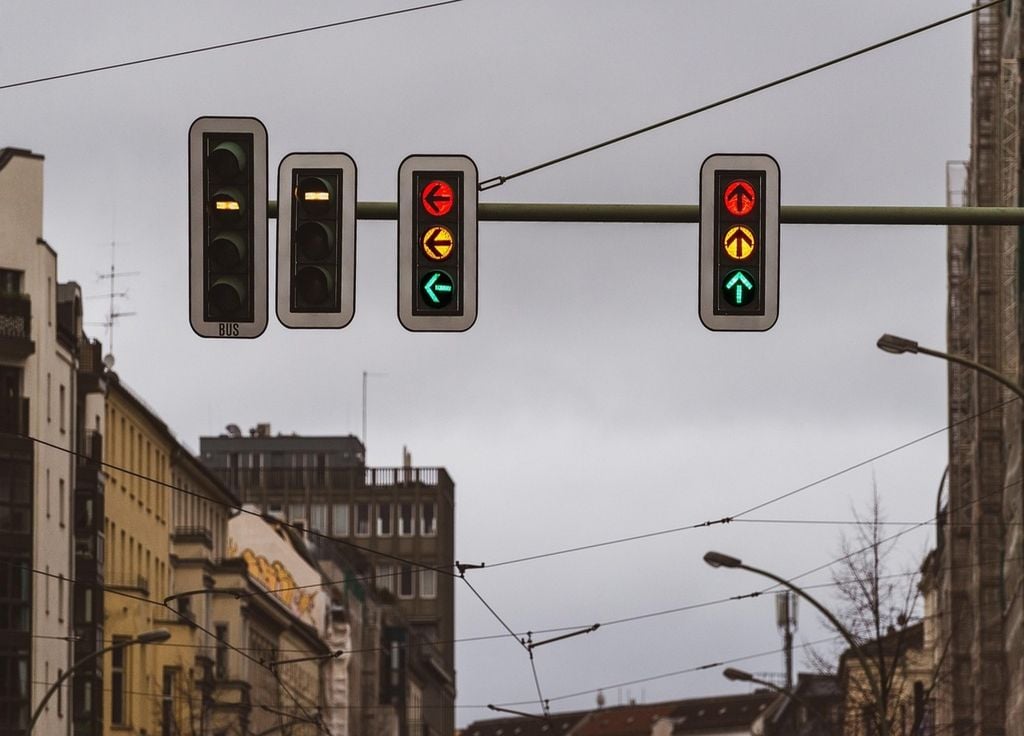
{"x":40,"y":328}
{"x":407,"y":513}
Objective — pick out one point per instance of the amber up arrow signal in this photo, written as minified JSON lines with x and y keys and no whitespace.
{"x":739,"y":240}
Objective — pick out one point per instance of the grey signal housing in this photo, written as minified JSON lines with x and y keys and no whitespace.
{"x":461,"y":315}
{"x":197,"y":236}
{"x":713,"y":313}
{"x":345,"y":239}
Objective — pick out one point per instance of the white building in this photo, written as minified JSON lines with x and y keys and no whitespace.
{"x":39,"y":329}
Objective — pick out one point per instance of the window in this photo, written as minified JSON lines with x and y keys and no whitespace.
{"x":221,"y":661}
{"x":362,"y":519}
{"x":167,"y":723}
{"x":46,"y":583}
{"x":276,"y":510}
{"x":386,"y":577}
{"x":428,"y":583}
{"x":63,"y":425}
{"x":383,"y":520}
{"x":340,"y":520}
{"x":10,"y":281}
{"x":60,"y":694}
{"x":119,"y":680}
{"x":405,"y":589}
{"x":428,"y":519}
{"x":48,"y":493}
{"x":49,"y":395}
{"x":61,"y":499}
{"x":406,"y":527}
{"x":60,"y":597}
{"x":318,"y":517}
{"x":297,"y":512}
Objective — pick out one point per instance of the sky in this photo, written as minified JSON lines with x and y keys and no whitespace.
{"x":587,"y":403}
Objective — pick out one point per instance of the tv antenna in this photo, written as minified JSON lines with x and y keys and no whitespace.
{"x":113,"y":314}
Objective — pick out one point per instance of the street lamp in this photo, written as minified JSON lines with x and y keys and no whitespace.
{"x":899,"y":345}
{"x":147,"y":637}
{"x":736,"y":675}
{"x":718,"y":559}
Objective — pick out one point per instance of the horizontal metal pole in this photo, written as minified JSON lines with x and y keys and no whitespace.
{"x":683,"y":213}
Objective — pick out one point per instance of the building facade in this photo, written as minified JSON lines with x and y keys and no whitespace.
{"x":137,"y":566}
{"x":402,"y":520}
{"x":40,"y":328}
{"x":978,"y":568}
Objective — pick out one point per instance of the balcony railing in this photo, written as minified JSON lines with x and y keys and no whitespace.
{"x":16,"y":326}
{"x":330,"y":478}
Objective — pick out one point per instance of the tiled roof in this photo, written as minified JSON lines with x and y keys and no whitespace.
{"x":556,"y":725}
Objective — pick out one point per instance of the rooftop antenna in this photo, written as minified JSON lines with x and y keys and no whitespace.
{"x":112,"y":293}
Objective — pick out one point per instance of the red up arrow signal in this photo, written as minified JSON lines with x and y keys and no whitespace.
{"x":739,"y":198}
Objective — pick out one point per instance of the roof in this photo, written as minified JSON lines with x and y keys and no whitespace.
{"x":556,"y":725}
{"x":727,"y":711}
{"x":695,"y":715}
{"x":625,"y":720}
{"x":6,"y":154}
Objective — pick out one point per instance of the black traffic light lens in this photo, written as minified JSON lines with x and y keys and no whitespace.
{"x":313,"y":242}
{"x":315,"y":196}
{"x":227,"y":251}
{"x":227,"y":160}
{"x":313,"y":285}
{"x":226,"y":298}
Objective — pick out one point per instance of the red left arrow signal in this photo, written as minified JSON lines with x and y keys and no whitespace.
{"x":437,"y":198}
{"x":739,"y":198}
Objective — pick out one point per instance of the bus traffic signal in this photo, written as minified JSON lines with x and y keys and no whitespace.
{"x":437,"y":243}
{"x":316,"y":240}
{"x":227,"y":227}
{"x":739,"y":242}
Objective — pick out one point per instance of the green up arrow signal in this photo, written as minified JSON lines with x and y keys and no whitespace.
{"x":438,"y":288}
{"x":738,"y":288}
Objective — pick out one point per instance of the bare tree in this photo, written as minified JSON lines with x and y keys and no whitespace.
{"x":889,"y":676}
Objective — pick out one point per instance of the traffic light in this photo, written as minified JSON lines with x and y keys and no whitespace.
{"x":437,"y":243}
{"x":739,"y":242}
{"x":316,"y":240}
{"x":227,"y":181}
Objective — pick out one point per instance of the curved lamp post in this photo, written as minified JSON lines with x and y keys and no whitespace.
{"x":899,"y":345}
{"x":147,"y":637}
{"x":717,"y":559}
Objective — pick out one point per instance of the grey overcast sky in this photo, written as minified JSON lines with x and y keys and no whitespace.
{"x":587,"y":402}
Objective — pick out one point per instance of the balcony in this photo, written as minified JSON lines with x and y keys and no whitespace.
{"x":138,"y":583}
{"x":16,"y":326}
{"x":330,"y":478}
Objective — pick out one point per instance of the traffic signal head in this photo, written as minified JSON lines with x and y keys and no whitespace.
{"x":739,"y":242}
{"x":227,"y":178}
{"x":437,"y":243}
{"x":316,"y":240}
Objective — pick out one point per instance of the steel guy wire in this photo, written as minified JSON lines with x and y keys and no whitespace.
{"x":497,"y":181}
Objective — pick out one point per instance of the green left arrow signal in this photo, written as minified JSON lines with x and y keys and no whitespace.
{"x":438,"y":289}
{"x":738,"y":288}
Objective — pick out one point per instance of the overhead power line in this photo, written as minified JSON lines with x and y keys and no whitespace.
{"x":226,"y":45}
{"x":497,"y":181}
